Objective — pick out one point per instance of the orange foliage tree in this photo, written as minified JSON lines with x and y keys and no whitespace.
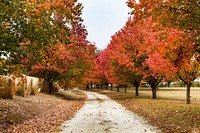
{"x":181,"y":16}
{"x":45,"y":39}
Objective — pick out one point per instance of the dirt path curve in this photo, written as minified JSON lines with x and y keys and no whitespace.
{"x":103,"y":115}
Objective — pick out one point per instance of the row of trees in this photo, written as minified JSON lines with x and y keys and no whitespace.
{"x":45,"y":39}
{"x":160,"y":41}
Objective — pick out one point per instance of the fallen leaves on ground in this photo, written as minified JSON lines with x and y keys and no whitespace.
{"x":171,"y":116}
{"x":40,"y":113}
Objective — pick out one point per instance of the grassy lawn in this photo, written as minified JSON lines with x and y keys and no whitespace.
{"x":169,"y":112}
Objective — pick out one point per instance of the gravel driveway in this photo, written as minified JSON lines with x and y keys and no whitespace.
{"x":103,"y":115}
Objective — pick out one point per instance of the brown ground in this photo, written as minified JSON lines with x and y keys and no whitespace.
{"x":45,"y":113}
{"x":103,"y":115}
{"x":173,"y":93}
{"x":40,"y":113}
{"x":169,"y":113}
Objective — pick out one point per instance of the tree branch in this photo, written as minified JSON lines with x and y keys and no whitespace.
{"x":174,"y":8}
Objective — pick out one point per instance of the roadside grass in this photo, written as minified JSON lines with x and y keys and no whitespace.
{"x":71,"y":95}
{"x":169,"y":113}
{"x":172,"y":93}
{"x":39,"y":113}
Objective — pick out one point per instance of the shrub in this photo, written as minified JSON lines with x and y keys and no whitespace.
{"x":196,"y":84}
{"x":7,"y":89}
{"x":161,"y":85}
{"x":180,"y":84}
{"x":20,"y":91}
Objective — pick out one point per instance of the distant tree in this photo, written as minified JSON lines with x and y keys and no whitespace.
{"x":102,"y":61}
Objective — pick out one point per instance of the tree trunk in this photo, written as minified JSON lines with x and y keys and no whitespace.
{"x":111,"y":87}
{"x":117,"y":88}
{"x":87,"y":86}
{"x":168,"y":83}
{"x":137,"y":90}
{"x":188,"y":94}
{"x":47,"y":86}
{"x":154,"y":92}
{"x":101,"y":86}
{"x":125,"y":89}
{"x":66,"y":88}
{"x":154,"y":81}
{"x":106,"y":86}
{"x":91,"y":86}
{"x":50,"y":88}
{"x":136,"y":83}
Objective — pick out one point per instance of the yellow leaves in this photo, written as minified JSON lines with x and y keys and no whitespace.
{"x":31,"y":2}
{"x":5,"y":24}
{"x":42,"y":55}
{"x":36,"y":29}
{"x":43,"y":62}
{"x":186,"y":1}
{"x":40,"y":8}
{"x":46,"y":6}
{"x":48,"y":64}
{"x":1,"y":64}
{"x":77,"y":71}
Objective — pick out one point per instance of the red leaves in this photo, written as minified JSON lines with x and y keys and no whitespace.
{"x":70,"y":58}
{"x":79,"y":53}
{"x":158,"y":65}
{"x":144,"y":47}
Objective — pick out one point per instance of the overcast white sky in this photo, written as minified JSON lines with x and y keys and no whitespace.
{"x":103,"y":18}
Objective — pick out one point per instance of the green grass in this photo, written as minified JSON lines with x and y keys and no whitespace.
{"x":20,"y":91}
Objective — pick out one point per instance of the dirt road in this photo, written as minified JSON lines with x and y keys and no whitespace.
{"x":103,"y":115}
